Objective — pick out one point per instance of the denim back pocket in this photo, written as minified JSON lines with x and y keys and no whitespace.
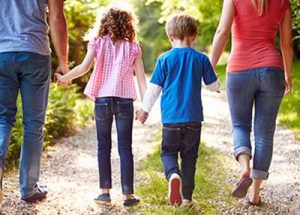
{"x":272,"y":80}
{"x":237,"y":80}
{"x":35,"y":68}
{"x":171,"y":137}
{"x":101,"y":110}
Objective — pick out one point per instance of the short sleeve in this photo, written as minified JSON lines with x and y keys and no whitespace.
{"x":209,"y":75}
{"x":93,"y":43}
{"x":158,"y":76}
{"x":137,"y":51}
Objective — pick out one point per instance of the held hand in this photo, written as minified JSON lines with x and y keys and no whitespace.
{"x":60,"y":71}
{"x":141,"y":115}
{"x":58,"y":78}
{"x":288,"y":86}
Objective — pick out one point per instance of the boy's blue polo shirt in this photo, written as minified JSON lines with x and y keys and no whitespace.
{"x":180,"y":72}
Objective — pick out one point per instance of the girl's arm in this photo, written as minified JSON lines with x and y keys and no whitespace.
{"x":287,"y":49}
{"x":140,"y":75}
{"x":223,"y":31}
{"x":79,"y":70}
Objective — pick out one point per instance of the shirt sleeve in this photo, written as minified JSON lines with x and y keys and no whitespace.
{"x":137,"y":51}
{"x":158,"y":76}
{"x":209,"y":75}
{"x":93,"y":43}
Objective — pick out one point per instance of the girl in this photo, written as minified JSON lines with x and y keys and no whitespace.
{"x":111,"y":86}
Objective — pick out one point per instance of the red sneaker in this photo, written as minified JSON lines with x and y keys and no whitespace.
{"x":175,"y":190}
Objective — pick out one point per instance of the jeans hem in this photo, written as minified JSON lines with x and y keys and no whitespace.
{"x":172,"y":172}
{"x":259,"y":174}
{"x":127,"y":192}
{"x":30,"y":194}
{"x":242,"y":150}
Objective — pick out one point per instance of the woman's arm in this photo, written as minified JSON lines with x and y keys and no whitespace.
{"x":287,"y":48}
{"x":140,"y":75}
{"x":223,"y":31}
{"x":80,"y":69}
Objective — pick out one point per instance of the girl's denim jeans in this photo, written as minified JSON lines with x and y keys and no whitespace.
{"x":105,"y":109}
{"x":261,"y":89}
{"x":28,"y":73}
{"x":182,"y":138}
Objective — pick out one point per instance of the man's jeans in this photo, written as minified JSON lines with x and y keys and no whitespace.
{"x":183,"y":138}
{"x":29,"y":73}
{"x":262,"y":88}
{"x":122,"y":109}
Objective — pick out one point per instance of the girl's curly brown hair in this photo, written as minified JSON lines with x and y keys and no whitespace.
{"x":118,"y":25}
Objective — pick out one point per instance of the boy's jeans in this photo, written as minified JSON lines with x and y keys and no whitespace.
{"x":262,"y":88}
{"x":122,"y":109}
{"x":29,"y":73}
{"x":183,"y":138}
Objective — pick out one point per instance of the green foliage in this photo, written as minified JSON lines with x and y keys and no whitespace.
{"x":152,"y":36}
{"x":60,"y":115}
{"x":207,"y":15}
{"x":295,"y":5}
{"x":65,"y":111}
{"x":153,"y":15}
{"x":289,"y":113}
{"x":209,"y":179}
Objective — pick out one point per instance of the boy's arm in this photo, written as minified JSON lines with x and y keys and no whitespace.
{"x":150,"y":97}
{"x":215,"y":86}
{"x":140,"y":75}
{"x":80,"y":69}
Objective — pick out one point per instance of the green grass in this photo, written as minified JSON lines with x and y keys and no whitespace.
{"x":289,"y":113}
{"x":210,"y":180}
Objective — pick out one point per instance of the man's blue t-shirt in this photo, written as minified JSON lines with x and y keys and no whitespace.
{"x":180,"y":72}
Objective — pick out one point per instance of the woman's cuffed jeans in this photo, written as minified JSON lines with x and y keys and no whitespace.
{"x":28,"y":73}
{"x":263,"y":89}
{"x":122,"y":109}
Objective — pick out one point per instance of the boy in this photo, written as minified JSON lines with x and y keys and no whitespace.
{"x":178,"y":74}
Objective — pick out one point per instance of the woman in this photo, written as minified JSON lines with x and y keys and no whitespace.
{"x":257,"y":76}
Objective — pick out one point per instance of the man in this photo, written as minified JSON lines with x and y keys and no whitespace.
{"x":25,"y":66}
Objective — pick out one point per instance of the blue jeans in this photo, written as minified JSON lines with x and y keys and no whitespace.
{"x":263,"y":89}
{"x":122,"y":109}
{"x":183,"y":138}
{"x":28,"y":73}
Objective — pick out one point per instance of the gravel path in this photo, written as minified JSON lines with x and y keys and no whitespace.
{"x":281,"y":192}
{"x":70,"y":171}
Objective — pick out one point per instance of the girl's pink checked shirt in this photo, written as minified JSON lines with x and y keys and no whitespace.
{"x":113,"y":70}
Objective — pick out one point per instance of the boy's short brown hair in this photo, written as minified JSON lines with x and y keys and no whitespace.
{"x":181,"y":25}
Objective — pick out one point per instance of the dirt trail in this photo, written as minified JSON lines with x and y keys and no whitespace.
{"x":70,"y":171}
{"x":281,"y":192}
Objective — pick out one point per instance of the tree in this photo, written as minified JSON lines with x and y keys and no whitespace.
{"x":295,"y":5}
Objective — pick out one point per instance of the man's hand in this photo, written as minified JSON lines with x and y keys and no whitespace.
{"x":60,"y":71}
{"x":141,"y":115}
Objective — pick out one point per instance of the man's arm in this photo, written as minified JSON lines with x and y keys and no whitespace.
{"x":59,"y":33}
